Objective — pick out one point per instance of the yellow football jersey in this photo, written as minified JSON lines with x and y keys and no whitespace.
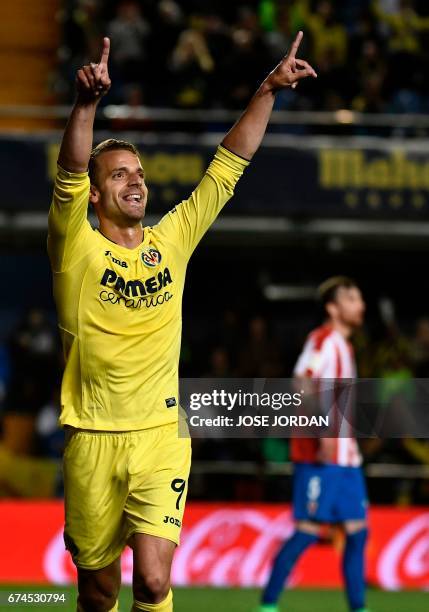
{"x":119,"y":309}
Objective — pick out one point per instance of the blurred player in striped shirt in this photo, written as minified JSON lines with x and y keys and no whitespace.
{"x":329,"y":486}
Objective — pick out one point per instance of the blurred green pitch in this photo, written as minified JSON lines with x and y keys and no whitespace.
{"x":236,"y":600}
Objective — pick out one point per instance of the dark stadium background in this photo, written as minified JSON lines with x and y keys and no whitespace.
{"x":179,"y":81}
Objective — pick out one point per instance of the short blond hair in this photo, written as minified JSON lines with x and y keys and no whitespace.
{"x":112,"y":144}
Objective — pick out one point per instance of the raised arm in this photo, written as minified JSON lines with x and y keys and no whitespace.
{"x":92,"y":83}
{"x":246,"y":135}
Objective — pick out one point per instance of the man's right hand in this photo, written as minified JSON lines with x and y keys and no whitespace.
{"x":93,"y":81}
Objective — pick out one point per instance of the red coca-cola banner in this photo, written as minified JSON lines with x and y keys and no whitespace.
{"x":224,"y":545}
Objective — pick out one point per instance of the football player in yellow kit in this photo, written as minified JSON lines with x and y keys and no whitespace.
{"x":118,"y":292}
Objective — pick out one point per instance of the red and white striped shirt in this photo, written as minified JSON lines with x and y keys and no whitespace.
{"x":327,"y":354}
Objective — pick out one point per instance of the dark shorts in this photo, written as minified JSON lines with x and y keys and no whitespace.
{"x":329,"y":493}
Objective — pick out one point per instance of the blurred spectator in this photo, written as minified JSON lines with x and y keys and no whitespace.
{"x":260,"y":355}
{"x":369,"y":64}
{"x":167,"y":24}
{"x":82,"y":26}
{"x":219,"y":42}
{"x":420,"y":349}
{"x":191,"y":65}
{"x":245,"y":67}
{"x":405,"y":25}
{"x":228,"y":333}
{"x":370,"y":99}
{"x":35,"y":368}
{"x":82,"y":31}
{"x":128,"y":32}
{"x":279,"y":37}
{"x":328,"y":36}
{"x":219,"y":364}
{"x":267,"y":15}
{"x":407,"y":66}
{"x":392,"y":357}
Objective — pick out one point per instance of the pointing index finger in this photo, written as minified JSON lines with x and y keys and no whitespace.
{"x":295,"y":44}
{"x":105,"y":52}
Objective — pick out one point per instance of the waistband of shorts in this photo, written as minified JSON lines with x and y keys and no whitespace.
{"x":70,"y":430}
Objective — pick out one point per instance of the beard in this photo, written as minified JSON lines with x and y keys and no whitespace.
{"x":354,"y":321}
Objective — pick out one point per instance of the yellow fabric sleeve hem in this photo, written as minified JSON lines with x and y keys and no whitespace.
{"x":73,"y":175}
{"x":230,"y":156}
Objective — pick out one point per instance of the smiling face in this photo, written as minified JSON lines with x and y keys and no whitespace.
{"x":119,"y":192}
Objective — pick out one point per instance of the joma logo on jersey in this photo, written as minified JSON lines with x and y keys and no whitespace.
{"x":137,"y":287}
{"x":116,"y":261}
{"x":172,"y":521}
{"x":151,"y":257}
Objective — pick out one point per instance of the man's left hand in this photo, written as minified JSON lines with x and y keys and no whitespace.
{"x":290,"y":70}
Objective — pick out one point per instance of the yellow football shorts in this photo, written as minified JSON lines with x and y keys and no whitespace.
{"x":120,"y":483}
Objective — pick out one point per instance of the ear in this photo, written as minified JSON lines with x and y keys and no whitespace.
{"x":94,"y":195}
{"x":331,"y":310}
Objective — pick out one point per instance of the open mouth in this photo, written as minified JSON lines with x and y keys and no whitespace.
{"x":133,"y":197}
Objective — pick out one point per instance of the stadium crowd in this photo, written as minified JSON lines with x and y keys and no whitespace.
{"x":234,"y":344}
{"x":371,"y":55}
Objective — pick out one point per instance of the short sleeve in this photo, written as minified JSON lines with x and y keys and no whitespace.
{"x":316,"y":361}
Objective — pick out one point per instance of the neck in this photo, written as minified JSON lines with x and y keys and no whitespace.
{"x":345,"y":330}
{"x":129,"y":237}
